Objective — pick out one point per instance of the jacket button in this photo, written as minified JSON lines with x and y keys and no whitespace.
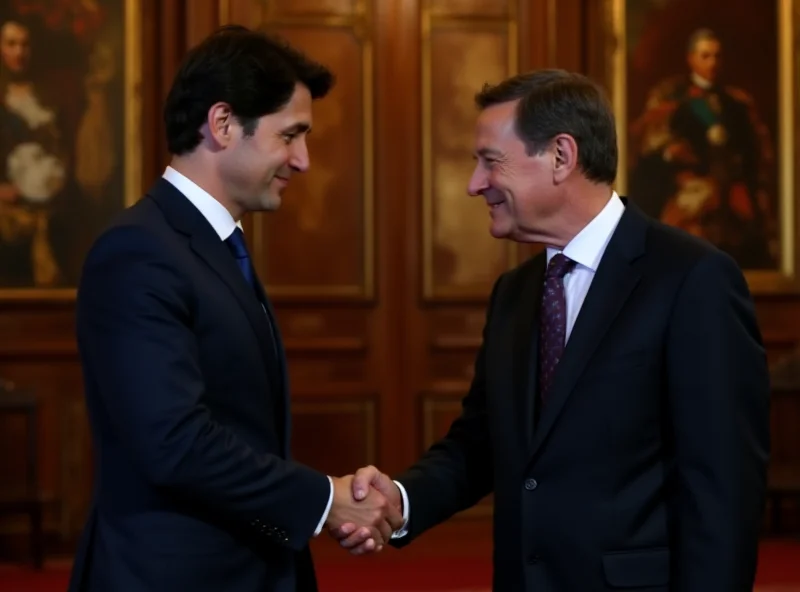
{"x":531,"y":484}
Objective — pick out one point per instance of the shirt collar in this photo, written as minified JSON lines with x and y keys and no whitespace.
{"x":588,"y":246}
{"x":217,"y":215}
{"x":701,"y":82}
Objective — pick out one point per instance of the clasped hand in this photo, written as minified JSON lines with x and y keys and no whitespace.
{"x":366,"y":510}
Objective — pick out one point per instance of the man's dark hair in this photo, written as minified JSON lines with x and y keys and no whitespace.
{"x":253,"y":72}
{"x":553,"y":102}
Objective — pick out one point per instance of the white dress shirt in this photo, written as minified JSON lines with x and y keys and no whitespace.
{"x":224,"y":225}
{"x":586,"y":249}
{"x":217,"y":215}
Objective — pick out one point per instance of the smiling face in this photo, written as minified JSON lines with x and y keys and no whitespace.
{"x":259,"y":159}
{"x":519,"y":188}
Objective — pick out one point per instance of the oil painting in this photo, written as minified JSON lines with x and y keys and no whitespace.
{"x":706,"y":118}
{"x":68,"y":152}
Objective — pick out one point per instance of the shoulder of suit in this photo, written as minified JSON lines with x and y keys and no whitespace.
{"x":673,"y":246}
{"x":136,"y":228}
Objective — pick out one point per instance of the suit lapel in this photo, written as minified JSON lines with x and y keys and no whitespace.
{"x":214,"y":252}
{"x":526,"y":347}
{"x":279,"y":356}
{"x":616,"y":277}
{"x":206,"y":243}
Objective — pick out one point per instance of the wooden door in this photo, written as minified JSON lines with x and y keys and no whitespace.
{"x":379,"y":263}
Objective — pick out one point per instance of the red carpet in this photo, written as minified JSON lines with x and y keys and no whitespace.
{"x":779,"y":571}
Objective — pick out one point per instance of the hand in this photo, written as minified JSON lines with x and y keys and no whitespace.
{"x":366,"y":480}
{"x":372,"y":515}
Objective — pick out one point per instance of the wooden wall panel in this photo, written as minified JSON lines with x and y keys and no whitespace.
{"x":38,"y":350}
{"x":52,"y":374}
{"x":306,"y":8}
{"x":461,"y":51}
{"x":472,"y":9}
{"x":317,"y":253}
{"x":463,"y":46}
{"x":349,"y":423}
{"x":379,"y":262}
{"x":328,"y":210}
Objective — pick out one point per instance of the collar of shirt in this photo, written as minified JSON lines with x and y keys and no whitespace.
{"x":700,"y":81}
{"x":217,"y":215}
{"x":588,"y":246}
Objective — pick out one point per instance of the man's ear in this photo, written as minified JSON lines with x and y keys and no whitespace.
{"x":565,"y":151}
{"x":220,"y":124}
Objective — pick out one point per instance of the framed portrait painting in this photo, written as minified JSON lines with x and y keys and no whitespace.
{"x":705,"y":98}
{"x":69,"y":136}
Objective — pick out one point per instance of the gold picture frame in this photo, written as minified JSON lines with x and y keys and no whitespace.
{"x":782,"y":277}
{"x":128,"y":140}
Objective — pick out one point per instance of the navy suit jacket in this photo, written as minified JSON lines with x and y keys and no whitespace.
{"x":187,"y":395}
{"x":646,"y":468}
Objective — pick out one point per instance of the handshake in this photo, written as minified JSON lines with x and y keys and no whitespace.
{"x":367,"y":508}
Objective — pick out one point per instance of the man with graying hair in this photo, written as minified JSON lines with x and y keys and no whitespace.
{"x":619,"y":410}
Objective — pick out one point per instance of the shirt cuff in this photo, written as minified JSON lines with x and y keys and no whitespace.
{"x":327,"y":510}
{"x":404,"y":529}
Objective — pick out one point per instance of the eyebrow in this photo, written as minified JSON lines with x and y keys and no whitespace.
{"x":487,"y":153}
{"x":298,"y":128}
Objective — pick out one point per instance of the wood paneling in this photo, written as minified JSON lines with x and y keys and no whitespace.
{"x":38,"y":350}
{"x":330,"y":209}
{"x":312,"y":8}
{"x":472,"y":9}
{"x":461,"y":51}
{"x":379,"y":263}
{"x":349,"y":423}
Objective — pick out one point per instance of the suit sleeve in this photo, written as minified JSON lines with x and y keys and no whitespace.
{"x":457,"y":471}
{"x":718,"y":388}
{"x":139,"y":350}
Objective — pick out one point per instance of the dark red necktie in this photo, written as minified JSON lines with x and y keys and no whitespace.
{"x":552,"y":321}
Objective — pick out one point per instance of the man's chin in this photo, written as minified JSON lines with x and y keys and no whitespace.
{"x":500,"y":230}
{"x":271,"y":202}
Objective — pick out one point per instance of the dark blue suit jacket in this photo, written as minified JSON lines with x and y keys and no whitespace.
{"x":187,"y":395}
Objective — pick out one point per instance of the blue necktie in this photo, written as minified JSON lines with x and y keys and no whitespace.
{"x":238,"y":247}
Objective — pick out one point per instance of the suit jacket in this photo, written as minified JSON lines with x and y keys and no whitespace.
{"x":646,"y":468}
{"x":187,"y":396}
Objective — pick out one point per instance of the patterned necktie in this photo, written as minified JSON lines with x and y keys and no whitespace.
{"x":238,"y":247}
{"x":553,"y":321}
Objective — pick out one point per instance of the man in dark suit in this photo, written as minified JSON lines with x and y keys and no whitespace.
{"x":185,"y":372}
{"x":619,"y":407}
